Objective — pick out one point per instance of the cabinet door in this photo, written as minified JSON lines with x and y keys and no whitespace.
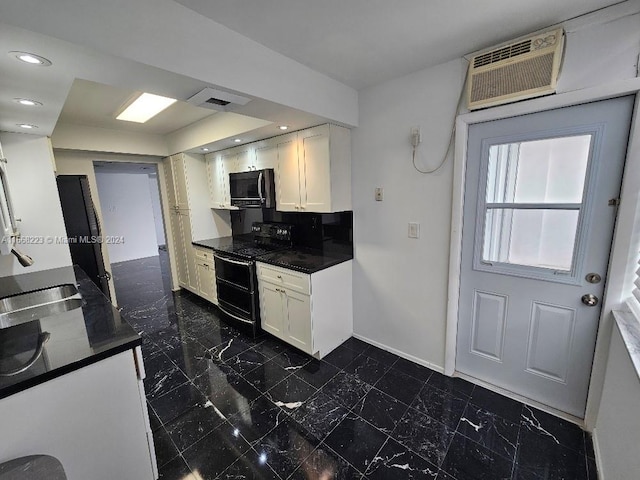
{"x":298,"y":320}
{"x":267,"y":157}
{"x":180,"y":180}
{"x":230,"y":163}
{"x":217,"y":184}
{"x":288,"y":191}
{"x":214,"y":287}
{"x":245,"y":161}
{"x":171,"y":189}
{"x":188,"y":250}
{"x":179,"y":253}
{"x":315,"y":173}
{"x":271,"y":313}
{"x":206,"y":280}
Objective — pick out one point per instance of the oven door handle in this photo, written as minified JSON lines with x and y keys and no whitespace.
{"x":235,"y":316}
{"x":260,"y":187}
{"x":227,"y":259}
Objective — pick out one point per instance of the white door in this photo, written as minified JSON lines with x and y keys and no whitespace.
{"x":539,"y":214}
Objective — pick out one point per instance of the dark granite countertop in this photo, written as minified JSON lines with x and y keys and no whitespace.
{"x":305,"y":260}
{"x":224,"y":243}
{"x":301,"y":259}
{"x":78,"y":337}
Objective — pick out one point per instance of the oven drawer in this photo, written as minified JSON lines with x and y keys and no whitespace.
{"x":291,"y":279}
{"x":203,"y":253}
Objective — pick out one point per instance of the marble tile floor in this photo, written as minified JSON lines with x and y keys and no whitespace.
{"x":226,"y":406}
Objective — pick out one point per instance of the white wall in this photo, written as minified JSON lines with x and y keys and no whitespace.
{"x":617,"y":432}
{"x":154,"y":190}
{"x":95,"y":139}
{"x":127,"y":212}
{"x":35,"y":197}
{"x":167,"y":35}
{"x":400,"y":284}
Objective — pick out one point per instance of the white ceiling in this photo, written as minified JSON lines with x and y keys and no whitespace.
{"x":365,"y":42}
{"x":96,"y":105}
{"x":85,"y":87}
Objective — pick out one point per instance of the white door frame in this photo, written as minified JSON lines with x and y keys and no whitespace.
{"x":617,"y":265}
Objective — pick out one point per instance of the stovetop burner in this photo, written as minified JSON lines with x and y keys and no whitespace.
{"x":267,"y":238}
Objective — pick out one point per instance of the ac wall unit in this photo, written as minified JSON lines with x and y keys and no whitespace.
{"x":524,"y":69}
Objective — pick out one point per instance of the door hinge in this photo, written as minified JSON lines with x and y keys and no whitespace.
{"x":614,"y":202}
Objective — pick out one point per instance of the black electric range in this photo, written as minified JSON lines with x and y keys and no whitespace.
{"x":236,"y":279}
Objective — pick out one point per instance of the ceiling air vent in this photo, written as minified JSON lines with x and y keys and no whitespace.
{"x":524,"y":69}
{"x":217,"y":99}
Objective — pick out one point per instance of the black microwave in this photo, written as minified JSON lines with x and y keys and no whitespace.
{"x":253,"y":189}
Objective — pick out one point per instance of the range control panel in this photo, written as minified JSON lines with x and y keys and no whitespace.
{"x":267,"y":233}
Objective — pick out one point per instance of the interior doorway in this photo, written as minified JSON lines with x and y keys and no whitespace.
{"x":135,"y":234}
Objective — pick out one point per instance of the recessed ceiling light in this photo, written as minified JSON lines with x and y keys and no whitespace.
{"x":283,"y":127}
{"x":146,"y":106}
{"x":28,"y":126}
{"x":205,"y":149}
{"x":27,"y":102}
{"x":31,"y":58}
{"x":237,"y":140}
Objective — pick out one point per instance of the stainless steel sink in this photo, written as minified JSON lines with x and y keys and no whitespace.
{"x":38,"y":304}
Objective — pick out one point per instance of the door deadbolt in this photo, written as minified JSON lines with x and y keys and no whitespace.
{"x":593,"y":278}
{"x":590,"y":300}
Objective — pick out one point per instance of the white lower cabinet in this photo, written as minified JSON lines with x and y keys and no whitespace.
{"x":206,"y":274}
{"x":311,"y":312}
{"x":94,"y":420}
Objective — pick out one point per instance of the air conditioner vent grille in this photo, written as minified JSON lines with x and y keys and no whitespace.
{"x":502,"y":54}
{"x":217,"y":101}
{"x":536,"y":72}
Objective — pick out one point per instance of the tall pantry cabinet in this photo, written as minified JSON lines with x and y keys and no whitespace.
{"x":191,"y":218}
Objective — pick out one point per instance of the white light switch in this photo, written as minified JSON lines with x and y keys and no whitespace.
{"x":378,"y":194}
{"x":414,"y":230}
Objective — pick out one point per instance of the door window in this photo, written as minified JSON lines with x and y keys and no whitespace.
{"x":534,"y":195}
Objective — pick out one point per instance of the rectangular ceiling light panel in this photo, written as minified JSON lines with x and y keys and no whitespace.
{"x":146,"y":106}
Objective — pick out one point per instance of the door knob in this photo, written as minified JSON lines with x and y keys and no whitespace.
{"x":590,"y":300}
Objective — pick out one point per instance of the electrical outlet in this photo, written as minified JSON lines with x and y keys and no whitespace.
{"x":414,"y":230}
{"x":378,"y":194}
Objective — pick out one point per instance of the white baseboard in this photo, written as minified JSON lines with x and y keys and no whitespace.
{"x":404,"y":355}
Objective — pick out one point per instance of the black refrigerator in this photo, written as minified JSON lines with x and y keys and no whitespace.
{"x":83,"y":228}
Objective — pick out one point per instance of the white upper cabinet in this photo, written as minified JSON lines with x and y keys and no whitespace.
{"x":245,"y":160}
{"x":313,"y":169}
{"x":325,"y":169}
{"x":288,"y":174}
{"x":181,"y":180}
{"x":220,"y":165}
{"x":218,"y":187}
{"x":266,"y":154}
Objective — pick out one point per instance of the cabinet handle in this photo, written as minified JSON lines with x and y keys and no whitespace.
{"x":279,"y":276}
